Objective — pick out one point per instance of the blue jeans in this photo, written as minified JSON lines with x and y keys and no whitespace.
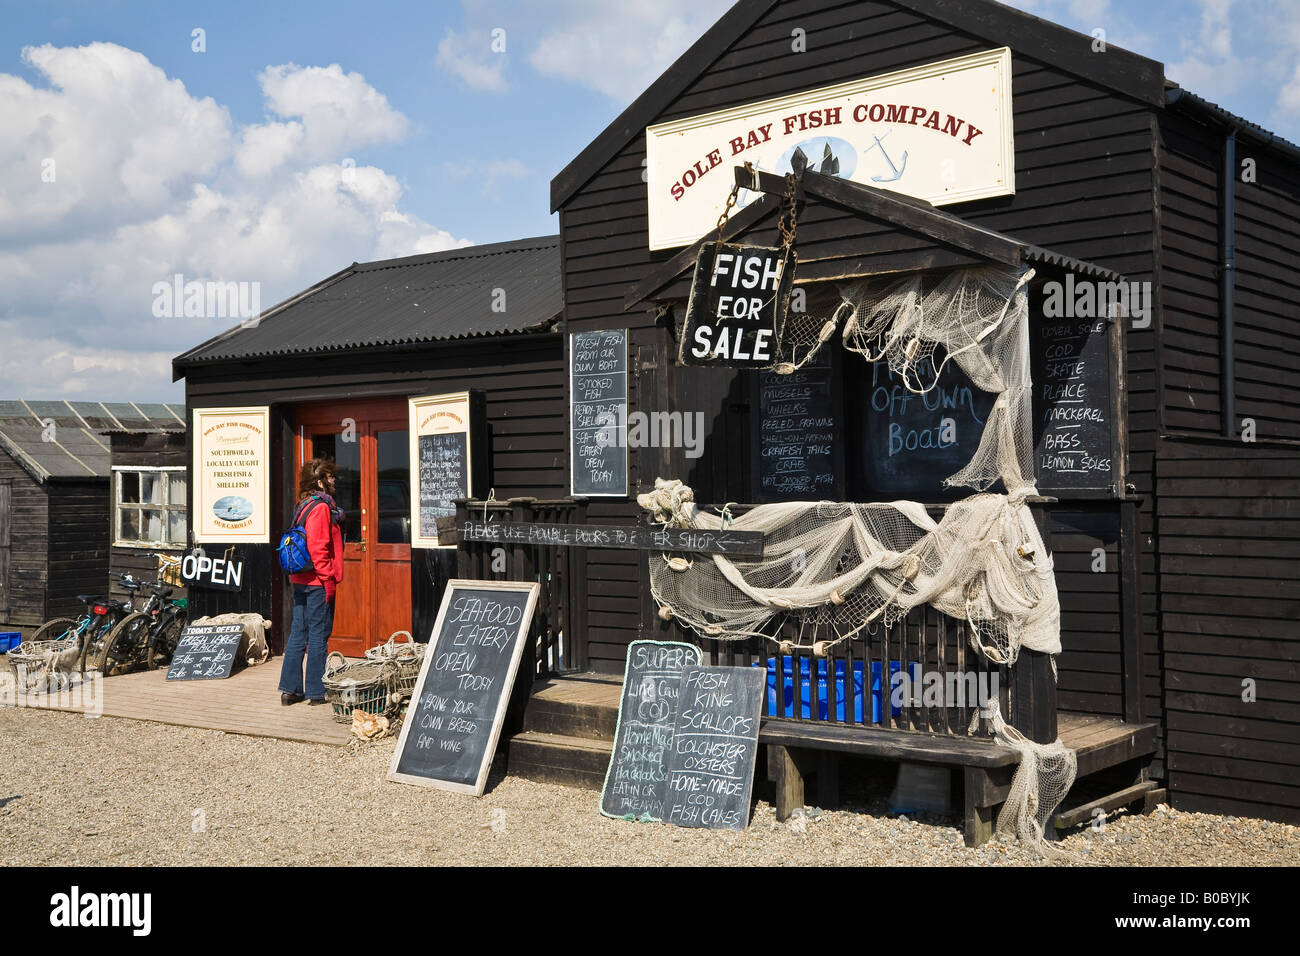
{"x":313,"y":619}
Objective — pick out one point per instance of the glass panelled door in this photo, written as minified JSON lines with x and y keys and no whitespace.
{"x":368,"y":442}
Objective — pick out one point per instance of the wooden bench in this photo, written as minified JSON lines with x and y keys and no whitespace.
{"x":796,"y":749}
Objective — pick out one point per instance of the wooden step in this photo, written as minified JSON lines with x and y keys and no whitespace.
{"x":575,"y":707}
{"x":560,"y":758}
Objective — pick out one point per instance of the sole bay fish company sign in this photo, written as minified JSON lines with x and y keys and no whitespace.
{"x":940,"y":132}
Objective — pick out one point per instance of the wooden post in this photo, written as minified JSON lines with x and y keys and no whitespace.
{"x":977,"y":819}
{"x":783,"y":769}
{"x":1130,"y":596}
{"x":1033,"y":686}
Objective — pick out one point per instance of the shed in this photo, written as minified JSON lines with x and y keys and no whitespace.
{"x":334,"y":368}
{"x":54,"y":498}
{"x":1176,"y":583}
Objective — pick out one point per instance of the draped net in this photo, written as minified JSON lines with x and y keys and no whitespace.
{"x":841,"y":568}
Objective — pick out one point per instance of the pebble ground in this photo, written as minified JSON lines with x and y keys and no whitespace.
{"x":110,"y":791}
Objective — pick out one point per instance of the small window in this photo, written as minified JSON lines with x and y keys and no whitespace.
{"x":150,"y":508}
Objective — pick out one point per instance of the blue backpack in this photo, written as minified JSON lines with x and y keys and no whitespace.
{"x":293,"y":553}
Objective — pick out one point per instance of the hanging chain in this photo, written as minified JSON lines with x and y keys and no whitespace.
{"x":785,"y":223}
{"x":731,"y":203}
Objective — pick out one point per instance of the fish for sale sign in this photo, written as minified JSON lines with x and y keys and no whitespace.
{"x":737,"y":307}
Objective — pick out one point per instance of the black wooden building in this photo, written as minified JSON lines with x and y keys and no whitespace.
{"x":339,"y":361}
{"x":1177,"y":577}
{"x":55,"y":535}
{"x":1189,"y":621}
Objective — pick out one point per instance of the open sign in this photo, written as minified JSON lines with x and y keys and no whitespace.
{"x":201,"y":570}
{"x":737,"y":307}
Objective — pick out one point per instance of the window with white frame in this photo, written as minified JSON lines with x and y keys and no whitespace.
{"x":149,"y":507}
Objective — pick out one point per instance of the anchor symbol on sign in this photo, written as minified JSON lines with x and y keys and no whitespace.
{"x":897,"y":170}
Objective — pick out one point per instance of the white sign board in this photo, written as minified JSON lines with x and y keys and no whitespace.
{"x":941,"y":132}
{"x":441,"y":463}
{"x":231,"y":478}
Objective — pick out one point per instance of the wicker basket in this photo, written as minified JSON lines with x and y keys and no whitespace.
{"x":359,"y":685}
{"x":407,"y":655}
{"x":31,"y":660}
{"x":169,"y":570}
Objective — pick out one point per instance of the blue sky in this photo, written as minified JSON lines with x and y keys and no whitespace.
{"x":308,"y":135}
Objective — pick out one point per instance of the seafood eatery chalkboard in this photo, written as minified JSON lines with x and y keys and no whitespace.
{"x":452,"y":725}
{"x":206,"y":652}
{"x":637,"y":779}
{"x":800,"y":449}
{"x":1074,"y":406}
{"x":598,"y":413}
{"x":715,"y":742}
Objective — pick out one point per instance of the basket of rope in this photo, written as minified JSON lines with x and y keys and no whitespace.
{"x":358,"y":685}
{"x":407,"y":655}
{"x":35,"y":661}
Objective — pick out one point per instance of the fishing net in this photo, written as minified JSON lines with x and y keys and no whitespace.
{"x":838,"y":569}
{"x":978,"y":319}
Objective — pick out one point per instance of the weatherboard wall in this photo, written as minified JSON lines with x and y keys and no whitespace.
{"x":1085,"y":186}
{"x":23,"y":601}
{"x":523,"y":377}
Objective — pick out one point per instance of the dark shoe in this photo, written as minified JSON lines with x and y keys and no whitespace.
{"x":317,"y":701}
{"x":287,"y":699}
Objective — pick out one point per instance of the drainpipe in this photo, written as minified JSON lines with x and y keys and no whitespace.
{"x":1228,"y":287}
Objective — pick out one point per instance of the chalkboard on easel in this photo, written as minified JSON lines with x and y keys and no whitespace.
{"x":206,"y":652}
{"x":715,"y":744}
{"x":1074,"y":406}
{"x":915,"y":441}
{"x":637,"y":779}
{"x":450,"y":732}
{"x":798,"y":434}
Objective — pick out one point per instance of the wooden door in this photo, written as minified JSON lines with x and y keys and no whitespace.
{"x":368,"y":442}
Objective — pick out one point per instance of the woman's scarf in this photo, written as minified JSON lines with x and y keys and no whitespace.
{"x":336,"y":513}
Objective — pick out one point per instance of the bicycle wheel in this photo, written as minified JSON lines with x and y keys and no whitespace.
{"x":122,"y":646}
{"x":162,"y":645}
{"x":55,"y":630}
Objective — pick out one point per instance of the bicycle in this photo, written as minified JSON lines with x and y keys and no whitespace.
{"x":147,"y":637}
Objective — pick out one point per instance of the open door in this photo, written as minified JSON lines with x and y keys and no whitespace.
{"x":368,"y":442}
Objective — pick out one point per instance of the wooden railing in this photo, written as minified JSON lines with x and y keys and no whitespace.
{"x":559,"y":620}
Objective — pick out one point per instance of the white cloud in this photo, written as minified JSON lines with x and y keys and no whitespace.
{"x":470,"y":58}
{"x":151,"y":182}
{"x":490,"y":176}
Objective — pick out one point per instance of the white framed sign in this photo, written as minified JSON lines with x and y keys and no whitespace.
{"x":231,"y":475}
{"x":942,"y":132}
{"x":441,"y":462}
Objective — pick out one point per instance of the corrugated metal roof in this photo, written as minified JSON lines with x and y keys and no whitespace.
{"x":502,"y":288}
{"x":53,"y":439}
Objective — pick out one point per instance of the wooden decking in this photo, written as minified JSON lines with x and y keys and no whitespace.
{"x":570,"y":724}
{"x":248,"y":702}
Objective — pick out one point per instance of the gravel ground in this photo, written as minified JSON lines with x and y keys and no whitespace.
{"x":78,"y":791}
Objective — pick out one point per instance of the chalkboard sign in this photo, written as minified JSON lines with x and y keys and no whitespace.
{"x":715,"y":741}
{"x":637,"y":779}
{"x":916,"y":441}
{"x":451,"y":728}
{"x":799,"y":434}
{"x":598,"y":413}
{"x":206,"y":652}
{"x":444,"y":477}
{"x":1074,"y":406}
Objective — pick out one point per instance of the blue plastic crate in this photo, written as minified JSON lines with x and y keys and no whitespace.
{"x":9,"y":640}
{"x":804,"y":695}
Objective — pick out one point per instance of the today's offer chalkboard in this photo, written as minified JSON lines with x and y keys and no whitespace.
{"x":206,"y":652}
{"x":452,"y":725}
{"x":715,"y":743}
{"x":637,"y":779}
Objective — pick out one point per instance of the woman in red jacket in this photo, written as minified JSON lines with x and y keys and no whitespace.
{"x":313,"y":589}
